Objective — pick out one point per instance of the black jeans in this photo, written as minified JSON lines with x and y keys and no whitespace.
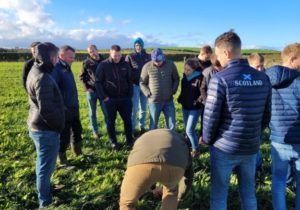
{"x":123,"y":105}
{"x":72,"y":131}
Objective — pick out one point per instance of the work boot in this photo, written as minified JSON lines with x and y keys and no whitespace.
{"x":62,"y":159}
{"x":77,"y":148}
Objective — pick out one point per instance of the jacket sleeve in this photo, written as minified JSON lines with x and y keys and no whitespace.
{"x":100,"y":79}
{"x":179,"y":99}
{"x":25,"y":74}
{"x":129,"y":80}
{"x":144,"y":81}
{"x":212,"y":113}
{"x":83,"y":76}
{"x":267,"y":112}
{"x":203,"y":90}
{"x":175,"y":79}
{"x":44,"y":90}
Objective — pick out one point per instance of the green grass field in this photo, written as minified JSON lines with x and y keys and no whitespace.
{"x":95,"y":182}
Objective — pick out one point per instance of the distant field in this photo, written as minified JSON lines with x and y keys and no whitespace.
{"x":95,"y":183}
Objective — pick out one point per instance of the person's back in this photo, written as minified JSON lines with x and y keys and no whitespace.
{"x":285,"y":124}
{"x":285,"y":120}
{"x":244,"y":91}
{"x":160,"y":146}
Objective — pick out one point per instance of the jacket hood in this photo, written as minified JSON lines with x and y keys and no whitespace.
{"x":140,"y":41}
{"x":281,"y":76}
{"x":42,"y":57}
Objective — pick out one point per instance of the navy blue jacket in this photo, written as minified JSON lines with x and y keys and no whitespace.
{"x":237,"y":109}
{"x":65,"y":79}
{"x":285,"y":120}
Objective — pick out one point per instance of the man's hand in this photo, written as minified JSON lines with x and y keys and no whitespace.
{"x":201,"y":140}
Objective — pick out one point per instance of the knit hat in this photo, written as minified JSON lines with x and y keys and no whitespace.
{"x":157,"y":55}
{"x":140,"y":41}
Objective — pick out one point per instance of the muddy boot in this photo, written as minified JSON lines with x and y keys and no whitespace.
{"x":77,"y":148}
{"x":62,"y":159}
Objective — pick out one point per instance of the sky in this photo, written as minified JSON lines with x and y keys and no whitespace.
{"x":263,"y":24}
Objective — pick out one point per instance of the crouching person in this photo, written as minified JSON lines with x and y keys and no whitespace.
{"x":45,"y":120}
{"x":159,"y":155}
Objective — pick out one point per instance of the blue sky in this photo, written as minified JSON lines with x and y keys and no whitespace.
{"x":189,"y":23}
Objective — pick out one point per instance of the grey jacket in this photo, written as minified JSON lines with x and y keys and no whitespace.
{"x":159,"y":84}
{"x":46,"y":111}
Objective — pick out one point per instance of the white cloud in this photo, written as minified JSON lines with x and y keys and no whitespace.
{"x":22,"y":22}
{"x":108,"y":19}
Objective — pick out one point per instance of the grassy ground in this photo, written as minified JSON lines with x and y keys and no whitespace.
{"x":95,"y":182}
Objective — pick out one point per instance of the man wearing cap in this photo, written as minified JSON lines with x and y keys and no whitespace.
{"x":137,"y":60}
{"x":159,"y":82}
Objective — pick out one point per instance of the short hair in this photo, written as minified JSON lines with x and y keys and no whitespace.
{"x":290,"y":51}
{"x":229,"y":40}
{"x":116,"y":48}
{"x":256,"y":57}
{"x":51,"y":48}
{"x":92,"y":46}
{"x":206,"y":49}
{"x":34,"y":44}
{"x":65,"y":48}
{"x":214,"y":61}
{"x":193,"y":63}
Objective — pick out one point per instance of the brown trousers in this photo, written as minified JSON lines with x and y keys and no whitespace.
{"x":138,"y":179}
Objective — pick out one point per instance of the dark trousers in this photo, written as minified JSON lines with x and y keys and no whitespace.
{"x":122,"y":105}
{"x":72,"y":131}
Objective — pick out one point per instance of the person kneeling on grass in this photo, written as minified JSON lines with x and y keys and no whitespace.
{"x":159,"y":155}
{"x":189,"y":98}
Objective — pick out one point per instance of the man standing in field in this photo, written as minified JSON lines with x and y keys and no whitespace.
{"x":237,"y":109}
{"x":28,"y":64}
{"x":46,"y":117}
{"x":88,"y":79}
{"x":285,"y":124}
{"x":114,"y":87}
{"x":137,"y":60}
{"x":65,"y":79}
{"x":159,"y":82}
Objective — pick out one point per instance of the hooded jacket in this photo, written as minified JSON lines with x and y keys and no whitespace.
{"x":137,"y":61}
{"x":237,"y":108}
{"x":285,"y":120}
{"x":46,"y":111}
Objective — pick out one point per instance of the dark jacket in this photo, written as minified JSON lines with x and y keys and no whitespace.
{"x":46,"y":104}
{"x":64,"y":77}
{"x":88,"y":72}
{"x":189,"y":96}
{"x":207,"y":74}
{"x":27,"y":66}
{"x":285,"y":120}
{"x":136,"y":62}
{"x":204,"y":64}
{"x":237,"y":109}
{"x":113,"y":80}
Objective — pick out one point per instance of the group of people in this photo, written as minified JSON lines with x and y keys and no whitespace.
{"x":235,"y":101}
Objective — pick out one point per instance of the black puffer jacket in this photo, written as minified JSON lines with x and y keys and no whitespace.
{"x":88,"y":72}
{"x":46,"y":104}
{"x":113,"y":80}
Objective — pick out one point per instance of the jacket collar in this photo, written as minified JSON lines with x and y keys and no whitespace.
{"x":235,"y":62}
{"x":110,"y":60}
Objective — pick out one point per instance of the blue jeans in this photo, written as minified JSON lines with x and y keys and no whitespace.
{"x":169,"y":111}
{"x":122,"y":105}
{"x":47,"y":146}
{"x":138,"y":98}
{"x":282,"y":155}
{"x":222,"y":165}
{"x":190,"y":118}
{"x":92,"y":102}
